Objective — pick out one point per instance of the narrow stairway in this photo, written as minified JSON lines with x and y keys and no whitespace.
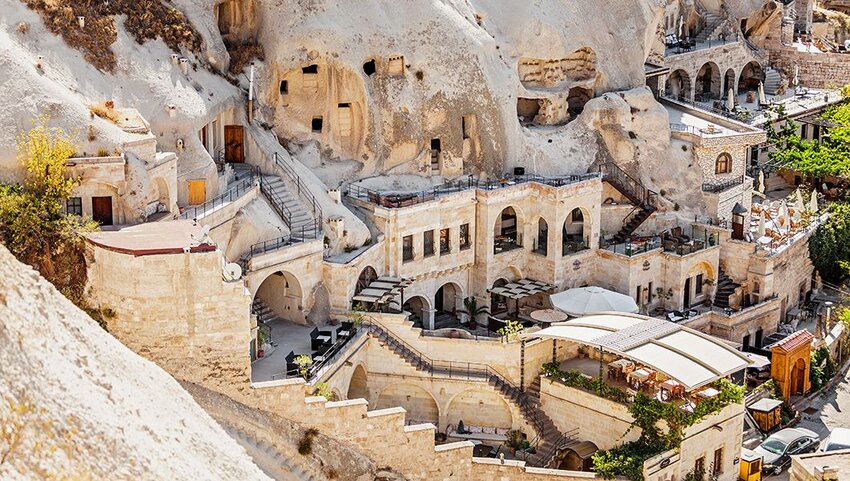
{"x":551,"y":440}
{"x":263,"y":311}
{"x":269,"y":459}
{"x":300,"y":219}
{"x":725,"y":288}
{"x":713,"y":25}
{"x":636,"y":192}
{"x":637,"y":219}
{"x":772,"y":81}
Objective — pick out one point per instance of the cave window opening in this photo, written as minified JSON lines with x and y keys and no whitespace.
{"x":369,"y":67}
{"x":284,"y":87}
{"x":435,"y":155}
{"x":465,"y":126}
{"x":576,"y":100}
{"x":527,"y":110}
{"x":316,"y":124}
{"x":310,"y":69}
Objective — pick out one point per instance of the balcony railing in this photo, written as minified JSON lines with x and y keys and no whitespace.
{"x":723,"y":186}
{"x":241,"y":188}
{"x":405,"y":199}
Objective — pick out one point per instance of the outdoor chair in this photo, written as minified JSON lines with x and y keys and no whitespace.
{"x":678,"y":235}
{"x":291,"y":367}
{"x":346,"y":330}
{"x":319,"y":338}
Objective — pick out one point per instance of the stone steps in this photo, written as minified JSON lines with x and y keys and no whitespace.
{"x":300,"y":216}
{"x":268,"y":458}
{"x":772,"y":81}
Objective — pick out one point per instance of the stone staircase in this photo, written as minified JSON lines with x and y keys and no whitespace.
{"x":772,"y":80}
{"x":263,"y":312}
{"x":725,"y":288}
{"x":295,"y":215}
{"x":713,"y":26}
{"x":269,"y":459}
{"x":550,"y":440}
{"x":633,"y":223}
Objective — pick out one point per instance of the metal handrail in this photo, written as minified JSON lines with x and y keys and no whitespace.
{"x":241,"y":188}
{"x":563,"y":441}
{"x":453,"y":369}
{"x":628,"y":185}
{"x":277,"y":204}
{"x":723,"y":186}
{"x":398,"y":200}
{"x":302,"y":190}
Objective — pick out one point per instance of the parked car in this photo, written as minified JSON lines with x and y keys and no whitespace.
{"x":778,"y":448}
{"x":839,"y":438}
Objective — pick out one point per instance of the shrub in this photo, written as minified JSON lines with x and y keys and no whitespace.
{"x":242,"y":53}
{"x":305,"y":445}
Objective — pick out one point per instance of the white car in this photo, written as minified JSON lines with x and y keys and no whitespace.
{"x":839,"y":438}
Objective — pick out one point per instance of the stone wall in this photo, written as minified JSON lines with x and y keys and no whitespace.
{"x":816,"y":70}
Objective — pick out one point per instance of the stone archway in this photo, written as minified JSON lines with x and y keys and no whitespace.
{"x":678,"y":85}
{"x":707,"y":86}
{"x":358,"y":386}
{"x":507,"y":231}
{"x":798,"y":377}
{"x":419,"y":309}
{"x":282,"y":294}
{"x":751,"y":75}
{"x":575,"y":234}
{"x":420,"y":405}
{"x":730,"y":80}
{"x":479,"y":407}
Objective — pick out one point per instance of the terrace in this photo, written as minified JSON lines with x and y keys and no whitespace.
{"x":621,"y":355}
{"x":397,"y":200}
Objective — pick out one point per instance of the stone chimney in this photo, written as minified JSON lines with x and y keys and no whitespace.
{"x":827,"y":473}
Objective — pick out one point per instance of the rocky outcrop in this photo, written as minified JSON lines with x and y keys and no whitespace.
{"x":75,"y":402}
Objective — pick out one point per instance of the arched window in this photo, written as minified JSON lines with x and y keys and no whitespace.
{"x":723,"y":164}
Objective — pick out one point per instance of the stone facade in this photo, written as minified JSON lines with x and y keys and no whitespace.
{"x":822,"y":70}
{"x":726,"y":63}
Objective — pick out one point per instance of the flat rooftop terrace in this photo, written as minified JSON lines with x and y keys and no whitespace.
{"x":154,"y":238}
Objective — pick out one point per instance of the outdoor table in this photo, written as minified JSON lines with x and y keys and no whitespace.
{"x":706,"y":393}
{"x":671,"y":389}
{"x":639,"y":377}
{"x":619,"y":368}
{"x":342,"y":333}
{"x":324,"y":338}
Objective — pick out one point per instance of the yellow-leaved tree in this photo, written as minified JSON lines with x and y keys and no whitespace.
{"x":33,"y":224}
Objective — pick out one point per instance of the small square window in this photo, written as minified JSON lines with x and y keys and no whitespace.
{"x":310,"y":69}
{"x":407,"y":248}
{"x":284,"y":87}
{"x":74,"y":206}
{"x":316,"y":124}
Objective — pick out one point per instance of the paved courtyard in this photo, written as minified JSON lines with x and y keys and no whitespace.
{"x":830,"y":410}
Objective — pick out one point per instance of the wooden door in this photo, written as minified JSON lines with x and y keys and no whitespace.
{"x":234,"y":141}
{"x":197,"y":192}
{"x":101,"y":208}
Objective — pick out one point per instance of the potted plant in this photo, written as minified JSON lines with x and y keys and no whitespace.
{"x":303,"y":362}
{"x":473,"y":310}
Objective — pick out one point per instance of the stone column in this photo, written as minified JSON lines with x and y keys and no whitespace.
{"x":428,"y":318}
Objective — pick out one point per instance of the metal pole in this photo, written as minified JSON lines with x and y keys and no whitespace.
{"x":251,"y":95}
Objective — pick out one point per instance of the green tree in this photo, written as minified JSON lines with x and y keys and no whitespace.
{"x":829,"y":247}
{"x":33,"y":225}
{"x":472,"y":309}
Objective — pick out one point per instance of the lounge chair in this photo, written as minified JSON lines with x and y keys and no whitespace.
{"x":319,"y":338}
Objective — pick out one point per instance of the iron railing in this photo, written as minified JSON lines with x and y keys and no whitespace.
{"x":633,"y":248}
{"x":241,"y":188}
{"x":302,"y":191}
{"x":460,"y":370}
{"x":276,"y":202}
{"x":723,"y":186}
{"x":564,"y":440}
{"x":631,"y":188}
{"x":399,"y":200}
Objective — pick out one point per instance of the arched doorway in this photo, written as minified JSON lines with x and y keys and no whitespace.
{"x":576,"y":232}
{"x":366,"y":277}
{"x":162,"y":195}
{"x":697,"y":288}
{"x":708,"y":82}
{"x":751,"y":75}
{"x":542,"y":242}
{"x":281,"y":294}
{"x":506,"y":232}
{"x":730,"y":81}
{"x":417,"y":306}
{"x":447,"y":301}
{"x":498,"y":303}
{"x":578,"y":457}
{"x":678,"y":85}
{"x":358,"y":387}
{"x":419,"y":403}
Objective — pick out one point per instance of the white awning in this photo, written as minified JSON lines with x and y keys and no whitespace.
{"x":382,"y":290}
{"x":521,"y":289}
{"x":582,"y":301}
{"x":690,"y":357}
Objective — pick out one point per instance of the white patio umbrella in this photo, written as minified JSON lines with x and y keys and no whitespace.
{"x":813,"y":202}
{"x":760,"y":232}
{"x":782,"y":216}
{"x":796,"y":80}
{"x":798,"y":201}
{"x":762,"y":97}
{"x":582,"y":301}
{"x":761,"y":182}
{"x":681,"y":27}
{"x":730,"y":100}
